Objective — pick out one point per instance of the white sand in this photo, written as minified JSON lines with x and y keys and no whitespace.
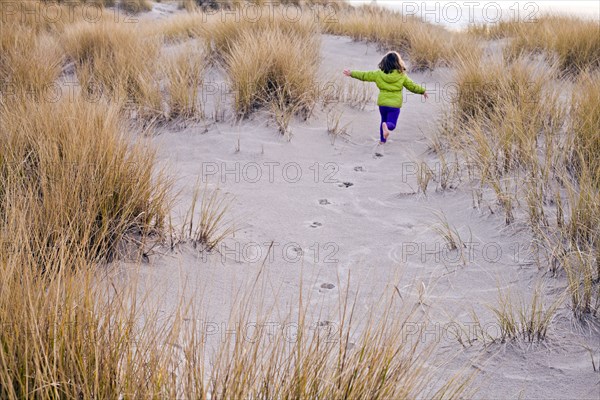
{"x":375,"y":232}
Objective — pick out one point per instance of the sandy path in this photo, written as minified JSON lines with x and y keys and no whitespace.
{"x":374,"y":231}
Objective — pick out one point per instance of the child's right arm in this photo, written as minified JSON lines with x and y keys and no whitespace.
{"x":367,"y":76}
{"x":413,"y":87}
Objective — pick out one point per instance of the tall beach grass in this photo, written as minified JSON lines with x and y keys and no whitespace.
{"x":572,"y":42}
{"x":531,"y":146}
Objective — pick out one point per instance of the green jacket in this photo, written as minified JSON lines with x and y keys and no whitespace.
{"x":390,"y":85}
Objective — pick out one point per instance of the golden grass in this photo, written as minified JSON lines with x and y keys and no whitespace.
{"x":384,"y":361}
{"x":117,"y":61}
{"x":335,"y":90}
{"x":210,"y":226}
{"x":427,"y":46}
{"x":501,"y":113}
{"x":585,"y":120}
{"x":271,"y":62}
{"x":535,"y":149}
{"x":273,"y":66}
{"x":580,"y":265}
{"x":78,"y":334}
{"x":30,"y":63}
{"x":181,"y":27}
{"x":225,"y":32}
{"x":529,"y":320}
{"x":135,"y":6}
{"x":448,"y":232}
{"x":573,"y":42}
{"x":73,"y":182}
{"x":184,"y":73}
{"x":53,"y":16}
{"x":335,"y":129}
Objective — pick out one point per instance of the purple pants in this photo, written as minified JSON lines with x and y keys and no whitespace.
{"x":389,"y":115}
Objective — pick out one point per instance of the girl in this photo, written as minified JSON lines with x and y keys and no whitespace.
{"x":391,"y":78}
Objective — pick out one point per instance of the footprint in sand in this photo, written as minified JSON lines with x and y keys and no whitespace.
{"x":316,"y":224}
{"x":298,"y":250}
{"x":327,"y":286}
{"x":346,"y":184}
{"x":324,"y":202}
{"x":359,"y":169}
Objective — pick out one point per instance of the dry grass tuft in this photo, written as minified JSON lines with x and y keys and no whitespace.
{"x":528,"y":321}
{"x":335,"y":129}
{"x":116,"y":60}
{"x":72,"y":183}
{"x":352,"y":92}
{"x":573,"y":42}
{"x":184,"y":75}
{"x":273,"y":66}
{"x":181,"y":27}
{"x":135,"y":6}
{"x":427,"y":46}
{"x":211,"y":226}
{"x":30,"y":63}
{"x":80,"y":335}
{"x":535,"y":149}
{"x":225,"y":32}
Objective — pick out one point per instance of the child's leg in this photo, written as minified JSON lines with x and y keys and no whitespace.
{"x":383,"y":111}
{"x":392,"y":118}
{"x":389,"y":119}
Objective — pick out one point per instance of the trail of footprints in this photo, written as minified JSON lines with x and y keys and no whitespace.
{"x":325,"y":202}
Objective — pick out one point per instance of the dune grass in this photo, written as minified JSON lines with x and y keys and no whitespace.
{"x":53,"y":16}
{"x":75,"y":188}
{"x":271,"y":61}
{"x":501,"y":113}
{"x":273,"y":66}
{"x":528,"y":321}
{"x":335,"y":90}
{"x":98,"y":338}
{"x":73,"y":182}
{"x":209,"y":226}
{"x":584,"y":123}
{"x":30,"y":63}
{"x":426,"y":45}
{"x":68,"y":167}
{"x":116,"y":60}
{"x":574,"y":43}
{"x":533,"y":146}
{"x":225,"y":32}
{"x":135,"y":6}
{"x":184,"y":75}
{"x":181,"y":27}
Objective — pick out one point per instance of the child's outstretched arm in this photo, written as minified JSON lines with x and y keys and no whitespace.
{"x":415,"y":88}
{"x":367,"y":76}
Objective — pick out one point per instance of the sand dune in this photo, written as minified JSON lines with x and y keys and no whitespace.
{"x":338,"y":213}
{"x":351,"y":269}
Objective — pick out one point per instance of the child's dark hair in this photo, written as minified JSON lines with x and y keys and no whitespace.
{"x":392,"y":61}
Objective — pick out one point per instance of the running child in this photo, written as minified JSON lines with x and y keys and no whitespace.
{"x":390,"y":78}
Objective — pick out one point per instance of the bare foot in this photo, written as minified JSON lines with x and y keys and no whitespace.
{"x":386,"y":131}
